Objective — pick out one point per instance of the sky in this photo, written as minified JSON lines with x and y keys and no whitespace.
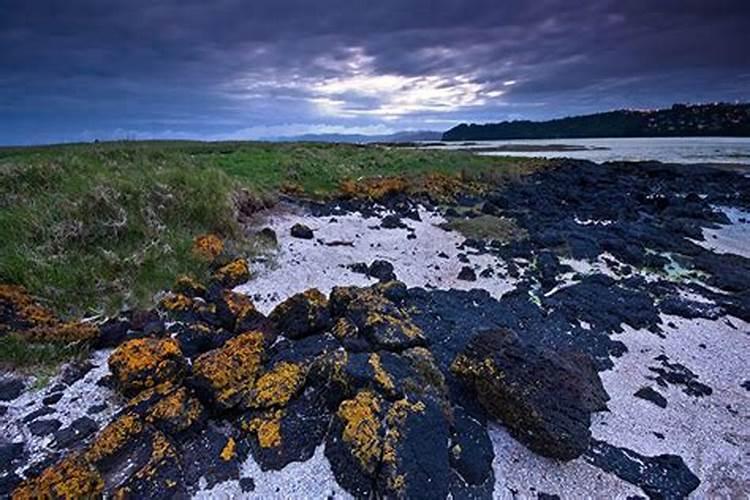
{"x":79,"y":70}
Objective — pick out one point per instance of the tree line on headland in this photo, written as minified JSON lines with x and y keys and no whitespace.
{"x":681,"y":120}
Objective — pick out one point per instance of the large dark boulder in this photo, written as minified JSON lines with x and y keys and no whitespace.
{"x":415,"y":456}
{"x":302,"y":231}
{"x":301,"y":315}
{"x":375,"y":314}
{"x":144,"y":363}
{"x":544,"y":398}
{"x":354,"y":445}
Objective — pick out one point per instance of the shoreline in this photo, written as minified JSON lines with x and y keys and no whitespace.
{"x":567,"y":281}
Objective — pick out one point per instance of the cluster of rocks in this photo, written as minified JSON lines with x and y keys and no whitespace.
{"x":399,"y":384}
{"x":352,"y":371}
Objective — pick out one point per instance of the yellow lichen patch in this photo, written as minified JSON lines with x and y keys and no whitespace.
{"x":153,"y":393}
{"x":334,"y":364}
{"x":373,"y":188}
{"x":267,"y":428}
{"x":208,"y":246}
{"x":161,"y":449}
{"x":113,"y":438}
{"x":179,"y":409}
{"x":186,"y":285}
{"x":72,"y":331}
{"x":402,"y":323}
{"x":467,"y":367}
{"x":313,"y":299}
{"x":277,"y":386}
{"x":15,"y":298}
{"x":344,"y":328}
{"x":231,"y":370}
{"x":395,"y":419}
{"x":73,"y":477}
{"x":143,"y":363}
{"x":429,"y":378}
{"x":397,"y":482}
{"x":239,"y":305}
{"x":176,"y":302}
{"x":234,"y":273}
{"x":442,"y":186}
{"x":228,"y":452}
{"x":362,"y":428}
{"x":381,"y":313}
{"x":381,"y":376}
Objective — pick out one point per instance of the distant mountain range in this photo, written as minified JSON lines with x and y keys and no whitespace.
{"x":732,"y":120}
{"x":405,"y":136}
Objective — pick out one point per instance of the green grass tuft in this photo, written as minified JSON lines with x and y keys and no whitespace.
{"x":40,"y":360}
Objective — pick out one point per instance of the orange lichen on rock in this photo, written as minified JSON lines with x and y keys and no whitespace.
{"x":267,"y":428}
{"x":20,"y":313}
{"x":373,"y":188}
{"x":229,"y":451}
{"x":399,"y":322}
{"x":72,"y":331}
{"x":277,"y":386}
{"x":143,"y":363}
{"x":312,"y":298}
{"x":178,"y":410}
{"x":229,"y":373}
{"x":362,"y":430}
{"x":113,"y":438}
{"x":187,"y":285}
{"x":301,"y":314}
{"x":73,"y":477}
{"x":234,"y":273}
{"x":176,"y":302}
{"x":21,"y":309}
{"x":382,"y":377}
{"x":240,"y":305}
{"x":162,"y":450}
{"x":208,"y":246}
{"x":344,"y":328}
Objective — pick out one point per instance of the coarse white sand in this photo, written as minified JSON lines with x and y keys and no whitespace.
{"x":303,"y":264}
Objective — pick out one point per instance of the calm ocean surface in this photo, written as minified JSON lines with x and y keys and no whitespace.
{"x":675,"y":150}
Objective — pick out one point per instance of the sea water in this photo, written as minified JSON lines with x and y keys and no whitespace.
{"x":668,"y":150}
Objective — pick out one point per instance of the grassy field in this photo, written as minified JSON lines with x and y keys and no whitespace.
{"x":91,"y":228}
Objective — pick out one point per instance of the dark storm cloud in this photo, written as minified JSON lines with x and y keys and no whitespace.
{"x":88,"y":68}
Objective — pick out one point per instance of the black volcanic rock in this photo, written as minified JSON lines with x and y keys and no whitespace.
{"x":544,"y":398}
{"x":302,"y":231}
{"x":382,"y":270}
{"x":660,"y":477}
{"x":11,"y":388}
{"x":467,"y":274}
{"x":649,"y":394}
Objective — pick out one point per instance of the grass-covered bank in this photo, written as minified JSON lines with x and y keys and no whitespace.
{"x":94,"y":227}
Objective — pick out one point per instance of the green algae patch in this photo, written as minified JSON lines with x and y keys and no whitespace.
{"x":488,"y":228}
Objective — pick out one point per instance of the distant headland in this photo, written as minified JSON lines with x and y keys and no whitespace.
{"x":681,"y":120}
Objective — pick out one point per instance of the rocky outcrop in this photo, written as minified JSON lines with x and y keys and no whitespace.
{"x":144,"y":363}
{"x":225,"y":376}
{"x":301,"y":315}
{"x":544,"y":398}
{"x":232,"y":274}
